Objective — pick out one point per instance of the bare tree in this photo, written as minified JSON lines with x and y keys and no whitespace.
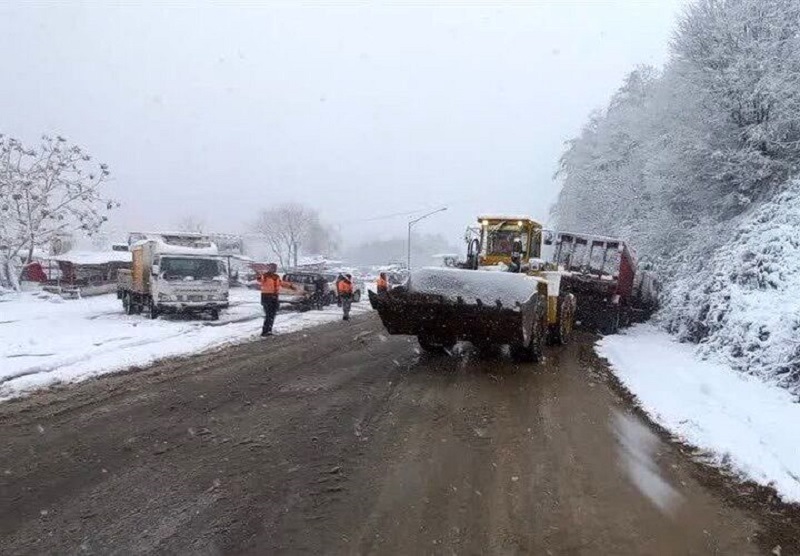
{"x":323,"y":239}
{"x":47,"y":192}
{"x":287,"y":229}
{"x":192,"y":223}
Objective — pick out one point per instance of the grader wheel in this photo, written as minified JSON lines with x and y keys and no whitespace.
{"x":534,"y":352}
{"x":561,"y":331}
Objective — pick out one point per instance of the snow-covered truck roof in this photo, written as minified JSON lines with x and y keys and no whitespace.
{"x":163,"y":248}
{"x":508,"y":218}
{"x":591,"y":237}
{"x":183,"y":239}
{"x":92,"y":257}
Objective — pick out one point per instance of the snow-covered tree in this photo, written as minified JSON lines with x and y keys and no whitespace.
{"x":323,"y":239}
{"x":694,"y":164}
{"x":742,"y":57}
{"x":287,"y":229}
{"x":47,"y":191}
{"x":678,"y":152}
{"x":192,"y":223}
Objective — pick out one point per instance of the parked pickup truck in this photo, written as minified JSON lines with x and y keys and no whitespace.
{"x":303,"y":293}
{"x":173,"y":273}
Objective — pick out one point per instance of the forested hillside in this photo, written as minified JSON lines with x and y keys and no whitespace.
{"x":694,"y":164}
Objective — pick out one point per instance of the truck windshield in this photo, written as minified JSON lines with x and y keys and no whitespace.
{"x":185,"y":267}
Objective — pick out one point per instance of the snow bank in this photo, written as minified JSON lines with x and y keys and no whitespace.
{"x":45,"y":340}
{"x":470,"y":285}
{"x":743,"y":306}
{"x":745,"y":424}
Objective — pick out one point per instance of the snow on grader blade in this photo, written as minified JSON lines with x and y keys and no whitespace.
{"x":443,"y":306}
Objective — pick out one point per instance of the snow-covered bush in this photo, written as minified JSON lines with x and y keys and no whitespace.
{"x":744,"y":305}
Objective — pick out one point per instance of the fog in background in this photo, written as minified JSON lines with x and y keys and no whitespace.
{"x":362,"y":112}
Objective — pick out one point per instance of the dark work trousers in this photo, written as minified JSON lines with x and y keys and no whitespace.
{"x":347,"y":300}
{"x":270,"y":303}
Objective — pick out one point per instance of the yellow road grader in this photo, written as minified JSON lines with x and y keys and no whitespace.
{"x":504,"y":294}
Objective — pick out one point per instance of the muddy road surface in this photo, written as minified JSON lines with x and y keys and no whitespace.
{"x":340,"y":440}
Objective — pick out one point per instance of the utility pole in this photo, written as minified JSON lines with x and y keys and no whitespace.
{"x":410,"y":224}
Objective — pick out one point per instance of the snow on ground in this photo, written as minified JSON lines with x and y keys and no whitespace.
{"x":745,"y":424}
{"x":45,"y":340}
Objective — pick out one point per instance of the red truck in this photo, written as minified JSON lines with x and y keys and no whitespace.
{"x":602,"y":273}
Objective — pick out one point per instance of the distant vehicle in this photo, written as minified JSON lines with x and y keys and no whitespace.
{"x":85,"y":273}
{"x":304,"y":294}
{"x":173,"y":273}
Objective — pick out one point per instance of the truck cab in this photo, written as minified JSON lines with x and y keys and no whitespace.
{"x":174,"y":273}
{"x":186,"y":283}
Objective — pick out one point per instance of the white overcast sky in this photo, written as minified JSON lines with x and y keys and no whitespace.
{"x":357,"y":110}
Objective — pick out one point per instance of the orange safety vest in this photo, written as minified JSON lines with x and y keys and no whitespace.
{"x":270,"y":284}
{"x":345,"y":287}
{"x":383,"y":284}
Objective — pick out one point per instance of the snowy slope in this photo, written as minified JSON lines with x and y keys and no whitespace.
{"x":744,"y":305}
{"x":45,"y":340}
{"x":743,"y":423}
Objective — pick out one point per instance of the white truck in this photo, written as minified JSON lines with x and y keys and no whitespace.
{"x":173,"y":273}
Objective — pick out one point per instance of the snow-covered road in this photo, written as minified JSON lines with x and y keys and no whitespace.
{"x":744,"y":424}
{"x":45,"y":340}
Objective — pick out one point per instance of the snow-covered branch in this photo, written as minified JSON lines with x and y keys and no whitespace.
{"x":45,"y":192}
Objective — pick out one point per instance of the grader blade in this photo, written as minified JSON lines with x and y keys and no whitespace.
{"x":443,"y":306}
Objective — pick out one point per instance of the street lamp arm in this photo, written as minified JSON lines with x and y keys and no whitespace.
{"x":426,"y":215}
{"x":410,"y":224}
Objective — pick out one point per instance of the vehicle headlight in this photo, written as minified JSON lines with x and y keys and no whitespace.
{"x":163,"y":297}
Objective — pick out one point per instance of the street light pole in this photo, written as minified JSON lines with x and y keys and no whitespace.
{"x":410,"y":224}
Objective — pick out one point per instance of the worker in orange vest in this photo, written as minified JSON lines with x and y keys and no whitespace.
{"x":383,"y":283}
{"x":270,"y":289}
{"x":344,"y":288}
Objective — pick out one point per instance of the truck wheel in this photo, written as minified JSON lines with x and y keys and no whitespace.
{"x":432,"y":344}
{"x":562,"y":330}
{"x":626,"y":317}
{"x":127,"y":304}
{"x":611,"y":321}
{"x":152,"y":310}
{"x":215,"y":314}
